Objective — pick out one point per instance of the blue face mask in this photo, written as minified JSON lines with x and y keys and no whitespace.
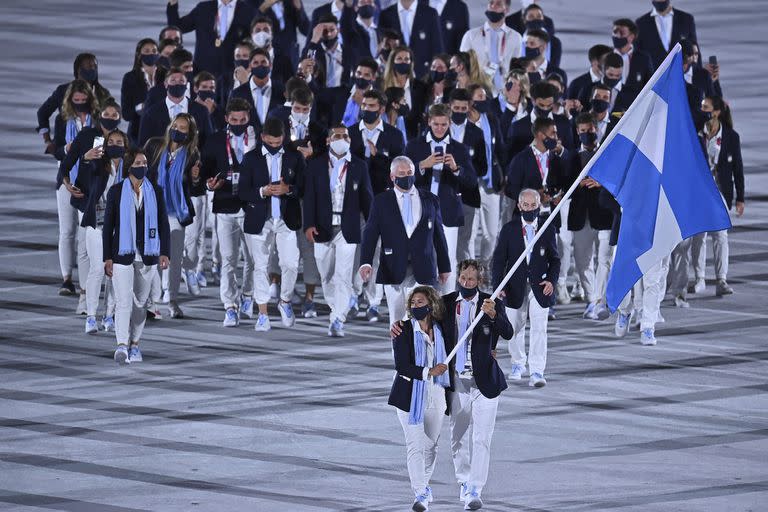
{"x":242,"y":63}
{"x":421,"y":312}
{"x":139,"y":172}
{"x":261,"y":72}
{"x":405,"y":182}
{"x":481,"y":106}
{"x":588,"y":138}
{"x":149,"y":59}
{"x":550,"y":143}
{"x":177,"y":90}
{"x":109,"y":124}
{"x":89,"y":75}
{"x":467,"y":293}
{"x":403,"y":68}
{"x":366,"y":11}
{"x":177,"y":136}
{"x":532,"y":53}
{"x":206,"y":95}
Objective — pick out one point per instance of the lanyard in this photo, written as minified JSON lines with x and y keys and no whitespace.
{"x":541,"y":170}
{"x":229,"y":147}
{"x":342,"y":172}
{"x":503,"y":41}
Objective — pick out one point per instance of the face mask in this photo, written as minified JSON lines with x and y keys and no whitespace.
{"x":206,"y":95}
{"x":550,"y":143}
{"x":534,"y":76}
{"x":405,"y":182}
{"x":458,"y":117}
{"x":599,"y":106}
{"x":534,"y":25}
{"x":340,"y":146}
{"x":139,"y":172}
{"x":273,"y":150}
{"x":242,"y":63}
{"x":82,"y":107}
{"x":366,"y":11}
{"x":330,"y":42}
{"x":707,"y":115}
{"x":493,"y":16}
{"x":661,"y":6}
{"x":385,"y":54}
{"x":481,"y":106}
{"x":177,"y":90}
{"x":435,"y":137}
{"x":530,"y":216}
{"x":261,"y":72}
{"x":115,"y":152}
{"x":437,"y":76}
{"x":540,"y":112}
{"x":619,"y":42}
{"x":89,"y":75}
{"x":532,"y":53}
{"x":610,"y":82}
{"x":402,"y":68}
{"x":588,"y":138}
{"x":177,"y":136}
{"x":238,"y":129}
{"x":451,"y":75}
{"x":467,"y":293}
{"x":300,"y":117}
{"x":403,"y":110}
{"x":362,"y":83}
{"x":261,"y":39}
{"x":420,"y":313}
{"x":509,"y":85}
{"x":109,"y":124}
{"x":149,"y":59}
{"x":369,"y":116}
{"x":163,"y":61}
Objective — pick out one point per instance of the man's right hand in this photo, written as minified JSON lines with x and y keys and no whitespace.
{"x":311,"y":234}
{"x":365,"y":273}
{"x":396,"y":329}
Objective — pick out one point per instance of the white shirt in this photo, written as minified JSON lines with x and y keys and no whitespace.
{"x":665,"y":29}
{"x":268,"y":158}
{"x":433,"y":144}
{"x":335,"y":10}
{"x":432,"y":388}
{"x":415,"y":207}
{"x":534,"y":117}
{"x":625,"y":57}
{"x":175,"y":109}
{"x":265,"y":98}
{"x":371,"y":135}
{"x":338,"y":68}
{"x":713,"y":147}
{"x":468,"y":343}
{"x":337,"y":195}
{"x":688,"y":75}
{"x":479,"y":39}
{"x":593,"y":76}
{"x":228,"y":15}
{"x":407,"y":90}
{"x":543,"y":158}
{"x":458,"y":131}
{"x":535,"y":225}
{"x":411,"y":16}
{"x":602,"y":126}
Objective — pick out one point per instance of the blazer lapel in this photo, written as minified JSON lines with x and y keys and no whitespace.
{"x":400,"y":224}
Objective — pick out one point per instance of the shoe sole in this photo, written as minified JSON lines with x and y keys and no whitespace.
{"x":121,"y":358}
{"x":473,"y":505}
{"x":513,"y":377}
{"x":95,"y":331}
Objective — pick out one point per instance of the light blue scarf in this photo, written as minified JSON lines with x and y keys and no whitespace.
{"x":419,"y":391}
{"x":171,"y":181}
{"x":486,"y":127}
{"x":70,"y":135}
{"x":128,"y":220}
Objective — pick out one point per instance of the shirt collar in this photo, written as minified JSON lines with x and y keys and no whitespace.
{"x":656,"y":13}
{"x":446,"y":140}
{"x":379,"y":126}
{"x":543,"y":67}
{"x":503,"y":28}
{"x":688,"y":75}
{"x":346,"y":158}
{"x":411,"y":9}
{"x":184,"y":103}
{"x":534,"y":117}
{"x":230,"y":5}
{"x":266,"y":87}
{"x":399,"y":193}
{"x":536,"y":151}
{"x":593,"y":76}
{"x":535,"y":223}
{"x":265,"y":151}
{"x":367,"y":27}
{"x":473,"y":300}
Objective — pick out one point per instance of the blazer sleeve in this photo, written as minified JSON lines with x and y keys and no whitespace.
{"x":366,"y":194}
{"x":371,"y":234}
{"x":46,"y":110}
{"x":59,"y":137}
{"x":108,"y":229}
{"x":500,"y":255}
{"x":501,"y":325}
{"x":401,"y":347}
{"x":553,"y":257}
{"x":514,"y":181}
{"x":185,"y":23}
{"x":738,"y":168}
{"x":72,"y":156}
{"x":164,"y":227}
{"x":309,"y":201}
{"x":247,"y":191}
{"x":441,"y":246}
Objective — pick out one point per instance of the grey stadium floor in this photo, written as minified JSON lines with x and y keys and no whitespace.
{"x":227,"y":420}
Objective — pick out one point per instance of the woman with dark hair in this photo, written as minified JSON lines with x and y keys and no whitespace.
{"x":174,"y":163}
{"x":137,"y":82}
{"x":135,"y":242}
{"x":396,"y":110}
{"x":79,"y":110}
{"x":440,"y":80}
{"x":722,"y":147}
{"x":399,"y":73}
{"x":421,"y":386}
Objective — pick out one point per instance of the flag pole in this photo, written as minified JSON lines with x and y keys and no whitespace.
{"x":539,"y":232}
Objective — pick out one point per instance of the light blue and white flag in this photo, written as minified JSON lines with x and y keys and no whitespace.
{"x":654,"y":166}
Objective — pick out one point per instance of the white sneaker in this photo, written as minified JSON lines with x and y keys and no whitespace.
{"x":246,"y":307}
{"x":698,"y":287}
{"x":472,"y":500}
{"x":647,"y":337}
{"x":622,"y":324}
{"x":201,"y":280}
{"x":230,"y":318}
{"x":286,"y":314}
{"x":680,"y":302}
{"x":537,"y":380}
{"x":165,"y":298}
{"x":90,"y":325}
{"x":174,"y":311}
{"x":463,"y":490}
{"x":421,"y":503}
{"x":590,"y":312}
{"x":81,"y":305}
{"x":192,"y":285}
{"x":517,"y":372}
{"x":121,"y":355}
{"x":262,"y":323}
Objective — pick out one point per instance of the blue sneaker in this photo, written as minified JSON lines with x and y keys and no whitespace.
{"x":336,"y":329}
{"x":108,"y":323}
{"x":121,"y":355}
{"x":517,"y":372}
{"x":201,"y":280}
{"x":286,"y":314}
{"x":430,"y":498}
{"x":647,"y":337}
{"x":353,"y":306}
{"x":90,"y":325}
{"x":134,"y":354}
{"x":589,"y":312}
{"x":308,"y":309}
{"x":536,"y":380}
{"x":601,"y":311}
{"x":421,"y":503}
{"x":246,"y":306}
{"x":230,"y":318}
{"x":472,"y":500}
{"x":372,"y":315}
{"x":622,"y":324}
{"x":262,"y":323}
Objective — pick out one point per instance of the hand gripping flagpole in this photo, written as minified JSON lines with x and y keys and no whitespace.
{"x":662,"y":68}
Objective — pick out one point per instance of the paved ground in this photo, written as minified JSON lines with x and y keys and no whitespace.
{"x":217,"y":420}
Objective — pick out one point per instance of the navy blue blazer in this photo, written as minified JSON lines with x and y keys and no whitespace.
{"x":154,"y":148}
{"x":133,"y":92}
{"x":649,"y":40}
{"x":110,"y":235}
{"x":544,"y":265}
{"x":255,"y":174}
{"x":202,"y":20}
{"x":640,"y":69}
{"x":155,"y":122}
{"x":389,"y":145}
{"x":317,"y":133}
{"x":520,"y":135}
{"x":426,"y":34}
{"x":580,"y":87}
{"x":585,"y":201}
{"x":80,"y":146}
{"x":730,"y":168}
{"x":523,"y":172}
{"x":408,"y":370}
{"x":54,"y":101}
{"x":426,"y":250}
{"x":449,"y":190}
{"x":489,"y":377}
{"x":475,"y":144}
{"x":215,"y":161}
{"x":98,"y":183}
{"x":607,"y":201}
{"x":700,"y":88}
{"x":454,"y":22}
{"x":318,"y":207}
{"x":276,"y":98}
{"x":285,"y":41}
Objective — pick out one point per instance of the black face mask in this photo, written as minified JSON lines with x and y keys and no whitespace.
{"x":242,"y":63}
{"x":149,"y":59}
{"x":403,"y":110}
{"x":493,"y":16}
{"x":451,"y":75}
{"x":588,"y":138}
{"x":532,"y":53}
{"x":113,"y":152}
{"x":403,"y":68}
{"x":164,"y":62}
{"x":89,"y":75}
{"x":366,"y":11}
{"x":530,"y":216}
{"x":610,"y":82}
{"x":206,"y":95}
{"x":550,"y":143}
{"x":458,"y":117}
{"x":330,"y":42}
{"x":707,"y":115}
{"x":82,"y":107}
{"x":660,"y":6}
{"x":139,"y":172}
{"x":177,"y":136}
{"x":362,"y":83}
{"x":467,"y":293}
{"x":620,"y":42}
{"x":369,"y":116}
{"x":599,"y":106}
{"x":385,"y":54}
{"x":238,"y":129}
{"x":481,"y":106}
{"x":437,"y":76}
{"x":109,"y":124}
{"x":273,"y":150}
{"x":177,"y":90}
{"x":540,"y":112}
{"x":405,"y":182}
{"x":420,"y":313}
{"x":261,"y":72}
{"x":435,"y":138}
{"x":534,"y":25}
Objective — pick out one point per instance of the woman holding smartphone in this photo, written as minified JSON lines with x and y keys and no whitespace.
{"x":421,"y":386}
{"x":174,"y":165}
{"x":135,"y":242}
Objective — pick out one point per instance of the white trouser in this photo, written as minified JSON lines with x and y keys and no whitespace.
{"x":67,"y":232}
{"x":374,"y":292}
{"x":720,"y":249}
{"x":211,"y":223}
{"x":537,"y":350}
{"x":229,"y":233}
{"x":465,"y":244}
{"x":131,"y":283}
{"x":155,"y":287}
{"x":310,"y":272}
{"x":398,"y":294}
{"x":564,"y":243}
{"x":194,"y":236}
{"x":473,"y":418}
{"x":489,"y":218}
{"x":95,"y":249}
{"x":279,"y":238}
{"x":451,"y":239}
{"x":335,"y":261}
{"x":421,"y":440}
{"x":649,"y":292}
{"x":584,"y":241}
{"x":83,"y":262}
{"x":172,"y":276}
{"x":678,"y":268}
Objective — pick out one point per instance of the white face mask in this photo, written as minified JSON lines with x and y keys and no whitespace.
{"x":340,"y":146}
{"x":300,"y":117}
{"x":261,"y":39}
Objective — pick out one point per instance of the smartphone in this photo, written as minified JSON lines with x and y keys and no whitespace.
{"x":275,"y":183}
{"x":438,"y":150}
{"x":221,"y":176}
{"x":98,"y":141}
{"x":713,"y":60}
